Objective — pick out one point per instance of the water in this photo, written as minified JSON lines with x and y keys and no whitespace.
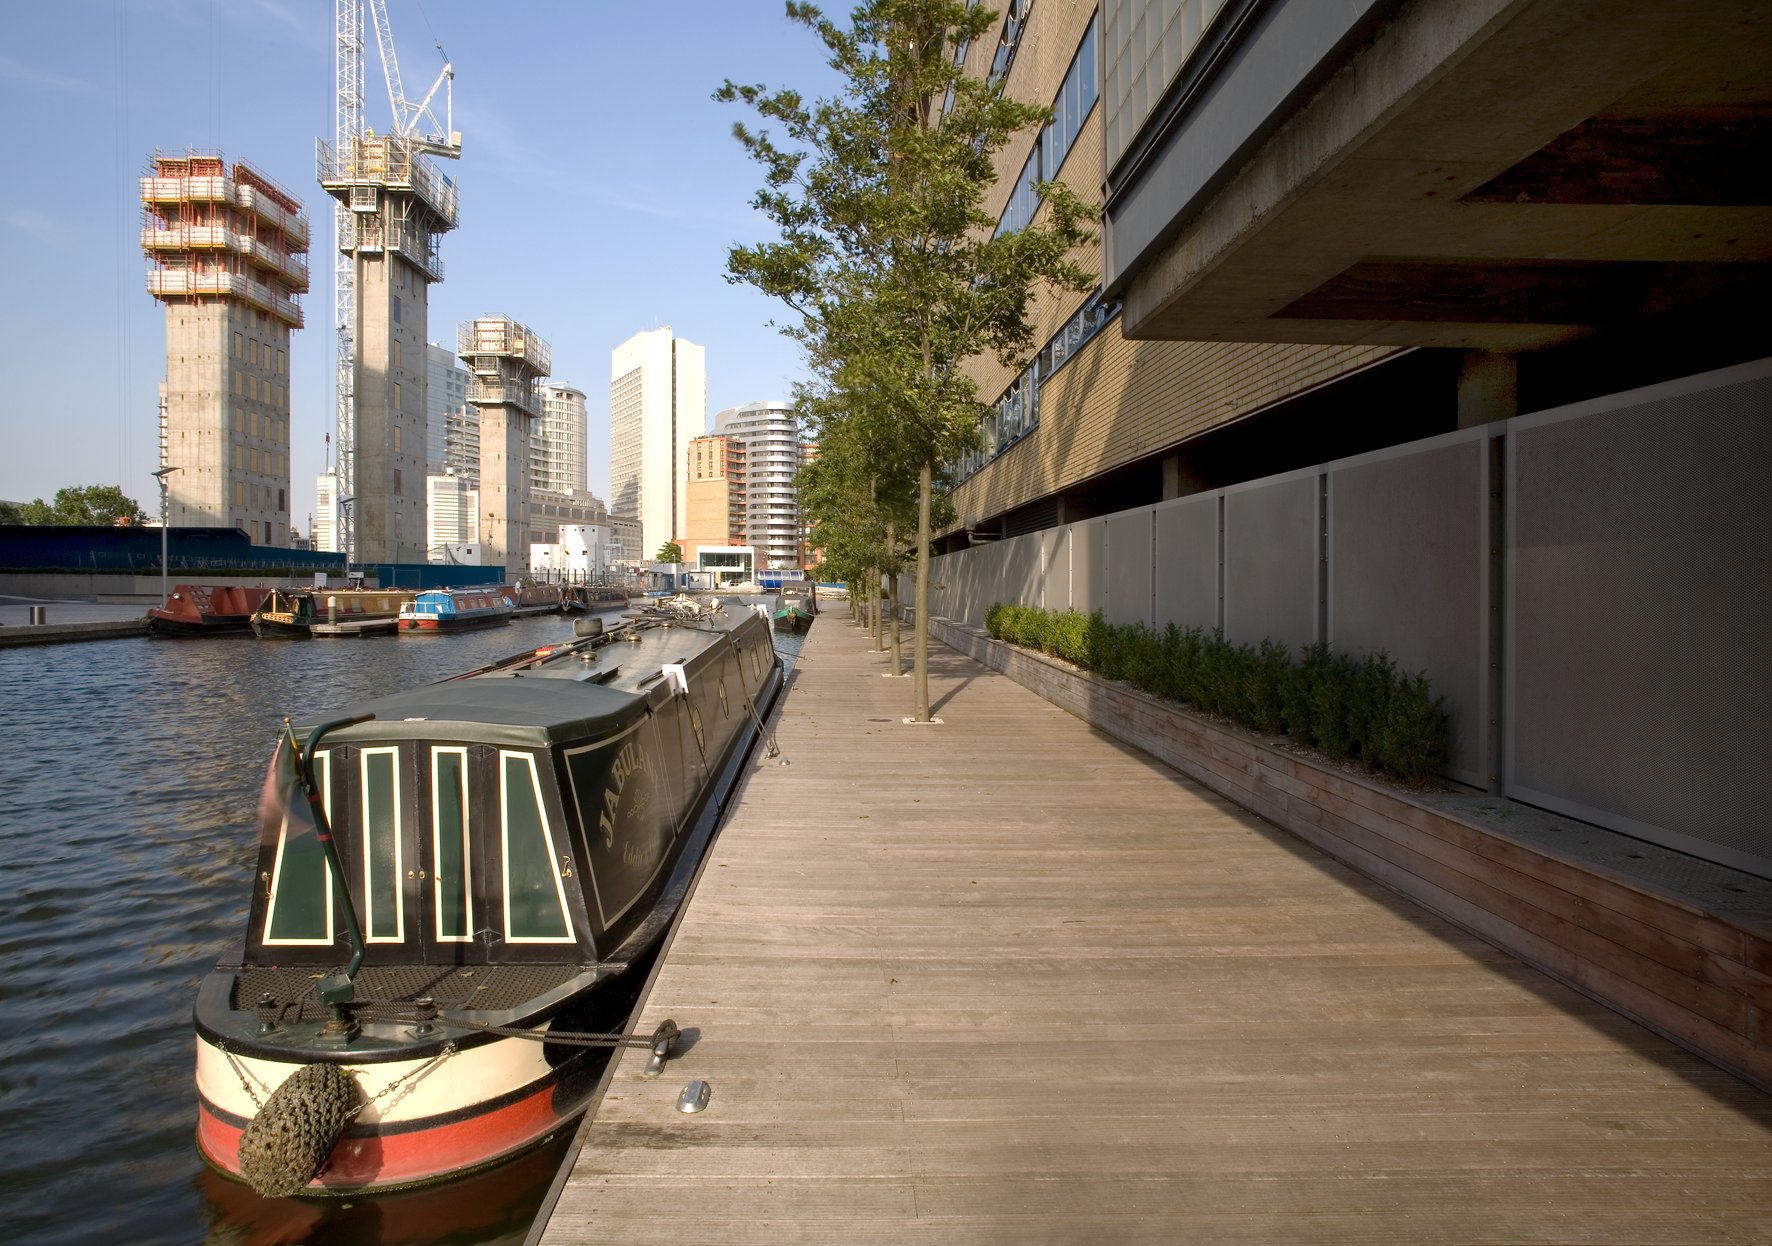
{"x":130,"y":770}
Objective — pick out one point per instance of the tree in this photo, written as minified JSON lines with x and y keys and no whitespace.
{"x":898,"y":275}
{"x":11,"y":513}
{"x":670,"y":551}
{"x":87,"y":504}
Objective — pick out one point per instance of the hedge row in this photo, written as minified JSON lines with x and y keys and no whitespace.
{"x":1367,"y":711}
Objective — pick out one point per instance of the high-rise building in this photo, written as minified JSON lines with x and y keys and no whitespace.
{"x":446,"y":399}
{"x":769,"y":434}
{"x":506,"y":361}
{"x":714,"y":495}
{"x":227,"y":254}
{"x":557,"y":445}
{"x":658,"y":400}
{"x":399,"y":206}
{"x":452,"y":514}
{"x":327,"y":534}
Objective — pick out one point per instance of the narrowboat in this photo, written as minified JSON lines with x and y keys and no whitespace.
{"x":456,"y":609}
{"x":546,"y":597}
{"x":796,"y":607}
{"x":205,"y":610}
{"x":456,"y":891}
{"x":294,"y":612}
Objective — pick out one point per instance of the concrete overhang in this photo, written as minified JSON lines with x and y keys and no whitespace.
{"x":1489,"y":174}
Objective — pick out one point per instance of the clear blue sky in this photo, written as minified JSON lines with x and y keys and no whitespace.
{"x":600,"y":190}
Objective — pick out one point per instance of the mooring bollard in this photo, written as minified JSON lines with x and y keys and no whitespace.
{"x":39,"y":615}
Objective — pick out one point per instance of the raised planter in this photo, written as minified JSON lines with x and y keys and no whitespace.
{"x":1698,"y":973}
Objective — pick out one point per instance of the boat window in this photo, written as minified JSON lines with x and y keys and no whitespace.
{"x":453,"y":888}
{"x":535,"y":897}
{"x":383,"y":915}
{"x":300,"y":907}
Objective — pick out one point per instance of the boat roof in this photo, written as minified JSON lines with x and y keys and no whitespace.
{"x":513,"y":711}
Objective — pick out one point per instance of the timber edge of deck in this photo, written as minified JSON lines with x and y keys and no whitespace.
{"x":1696,"y":973}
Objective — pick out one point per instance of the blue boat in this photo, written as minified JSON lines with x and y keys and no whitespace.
{"x":456,"y":609}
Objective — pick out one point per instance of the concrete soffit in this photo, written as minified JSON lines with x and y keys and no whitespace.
{"x":1492,"y":174}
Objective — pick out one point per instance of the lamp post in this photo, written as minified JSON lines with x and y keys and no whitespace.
{"x":161,"y":476}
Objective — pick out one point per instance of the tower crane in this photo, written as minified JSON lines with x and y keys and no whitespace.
{"x":349,"y":126}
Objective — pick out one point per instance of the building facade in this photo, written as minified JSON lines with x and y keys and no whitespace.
{"x":446,"y":407}
{"x":227,"y":255}
{"x":557,"y":445}
{"x":1427,"y":328}
{"x":714,"y":495}
{"x":658,"y":401}
{"x":768,"y":433}
{"x":453,"y":515}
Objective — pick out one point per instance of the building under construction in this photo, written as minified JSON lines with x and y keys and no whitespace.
{"x":506,"y":362}
{"x":227,"y":254}
{"x":394,"y":206}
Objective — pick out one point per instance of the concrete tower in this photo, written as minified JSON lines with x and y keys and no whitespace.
{"x":399,"y":206}
{"x":658,"y":401}
{"x":227,"y":254}
{"x":505,"y":360}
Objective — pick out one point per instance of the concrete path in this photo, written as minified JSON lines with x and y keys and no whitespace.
{"x":1004,"y":980}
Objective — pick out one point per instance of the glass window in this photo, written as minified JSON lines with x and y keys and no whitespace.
{"x":300,"y":908}
{"x":535,"y":897}
{"x":383,"y":912}
{"x":452,"y":888}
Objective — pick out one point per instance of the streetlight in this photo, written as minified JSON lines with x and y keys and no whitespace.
{"x":161,"y":476}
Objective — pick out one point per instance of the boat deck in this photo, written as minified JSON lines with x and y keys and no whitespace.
{"x":1010,"y":981}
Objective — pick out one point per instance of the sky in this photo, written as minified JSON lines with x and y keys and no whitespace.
{"x":601,"y":189}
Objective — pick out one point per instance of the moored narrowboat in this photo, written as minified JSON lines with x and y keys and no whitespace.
{"x":205,"y":610}
{"x":454,"y":885}
{"x":456,"y":609}
{"x":295,"y":612}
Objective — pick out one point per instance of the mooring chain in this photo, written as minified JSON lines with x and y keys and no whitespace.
{"x":240,"y":1072}
{"x":404,"y":1083}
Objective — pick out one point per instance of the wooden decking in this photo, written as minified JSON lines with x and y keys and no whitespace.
{"x":1005,"y":980}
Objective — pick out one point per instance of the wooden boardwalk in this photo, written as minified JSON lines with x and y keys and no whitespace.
{"x":1004,"y":980}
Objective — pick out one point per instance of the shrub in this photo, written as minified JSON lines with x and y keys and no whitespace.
{"x":1364,"y":709}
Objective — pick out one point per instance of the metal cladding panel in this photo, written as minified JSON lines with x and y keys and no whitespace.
{"x":1408,"y":548}
{"x":1055,"y":549}
{"x":1088,"y":566}
{"x":1271,"y":545}
{"x":1187,"y":562}
{"x":1639,"y":586}
{"x":1024,"y":569}
{"x":1129,"y":568}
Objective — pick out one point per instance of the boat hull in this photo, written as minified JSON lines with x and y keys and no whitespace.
{"x":455,"y":622}
{"x":478,"y":1107}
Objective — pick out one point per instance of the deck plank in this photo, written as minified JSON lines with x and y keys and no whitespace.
{"x":1007,"y":980}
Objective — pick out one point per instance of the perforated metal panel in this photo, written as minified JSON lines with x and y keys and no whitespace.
{"x":1088,"y":566}
{"x":1129,"y":568}
{"x":1187,"y":562}
{"x":1638,"y":590}
{"x":1271,"y":542}
{"x":1408,"y":559}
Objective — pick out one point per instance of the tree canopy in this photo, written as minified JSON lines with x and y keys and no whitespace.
{"x":83,"y":504}
{"x":670,"y":551}
{"x":896,"y":273}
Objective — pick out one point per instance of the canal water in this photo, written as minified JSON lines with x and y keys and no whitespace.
{"x":129,"y":771}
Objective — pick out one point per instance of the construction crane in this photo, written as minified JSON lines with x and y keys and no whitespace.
{"x":349,"y":126}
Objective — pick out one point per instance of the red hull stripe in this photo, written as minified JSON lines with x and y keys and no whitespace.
{"x":409,"y":1157}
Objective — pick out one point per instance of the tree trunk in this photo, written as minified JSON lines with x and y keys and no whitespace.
{"x":920,"y":650}
{"x":892,"y":596}
{"x":879,"y":623}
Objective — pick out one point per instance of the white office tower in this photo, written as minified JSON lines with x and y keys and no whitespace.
{"x":326,"y":534}
{"x":452,"y":508}
{"x":658,"y":402}
{"x":557,"y":442}
{"x":773,"y":452}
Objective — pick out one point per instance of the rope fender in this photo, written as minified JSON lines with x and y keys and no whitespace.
{"x":284,"y":1146}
